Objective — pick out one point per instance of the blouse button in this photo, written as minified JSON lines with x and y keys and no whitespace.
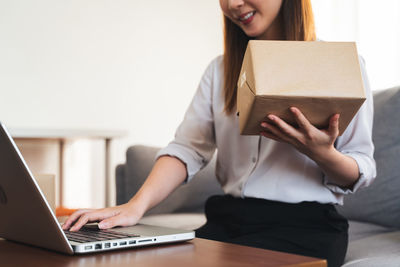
{"x":254,"y":159}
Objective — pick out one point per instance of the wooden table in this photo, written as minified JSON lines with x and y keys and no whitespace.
{"x":198,"y":252}
{"x":63,"y":135}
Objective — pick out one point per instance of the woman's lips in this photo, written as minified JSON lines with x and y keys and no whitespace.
{"x":247,"y":18}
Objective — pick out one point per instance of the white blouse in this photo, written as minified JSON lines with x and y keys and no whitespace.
{"x":255,"y":166}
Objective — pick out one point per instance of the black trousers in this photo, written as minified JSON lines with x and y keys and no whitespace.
{"x":307,"y":228}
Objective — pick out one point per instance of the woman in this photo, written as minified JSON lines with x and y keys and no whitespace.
{"x":281,"y":186}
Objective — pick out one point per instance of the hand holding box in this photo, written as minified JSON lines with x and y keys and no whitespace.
{"x":319,"y":78}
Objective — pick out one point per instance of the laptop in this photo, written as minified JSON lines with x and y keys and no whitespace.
{"x":26,"y":216}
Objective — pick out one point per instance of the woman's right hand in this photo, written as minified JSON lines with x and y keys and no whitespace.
{"x":124,"y":215}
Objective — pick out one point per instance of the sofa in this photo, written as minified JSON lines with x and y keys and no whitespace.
{"x":373,"y":212}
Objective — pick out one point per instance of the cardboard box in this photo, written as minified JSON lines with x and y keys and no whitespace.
{"x":319,"y":78}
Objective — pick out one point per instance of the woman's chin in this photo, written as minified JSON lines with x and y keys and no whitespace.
{"x":253,"y":35}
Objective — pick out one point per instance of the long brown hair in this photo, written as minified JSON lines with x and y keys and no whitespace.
{"x":298,"y":25}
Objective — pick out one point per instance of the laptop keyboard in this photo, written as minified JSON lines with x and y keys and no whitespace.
{"x":86,"y":234}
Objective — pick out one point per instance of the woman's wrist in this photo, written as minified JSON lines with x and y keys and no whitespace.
{"x":341,"y":169}
{"x":138,"y":205}
{"x":326,"y":157}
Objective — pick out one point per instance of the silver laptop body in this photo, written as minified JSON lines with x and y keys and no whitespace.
{"x":26,"y":217}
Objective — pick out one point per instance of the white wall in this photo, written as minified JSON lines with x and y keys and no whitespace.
{"x":374,"y":25}
{"x":126,"y":65}
{"x":104,"y":64}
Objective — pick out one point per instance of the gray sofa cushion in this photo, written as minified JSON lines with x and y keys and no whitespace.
{"x":380,"y":202}
{"x":360,"y":230}
{"x":385,"y":247}
{"x":382,"y":261}
{"x":185,"y":221}
{"x":189,"y":197}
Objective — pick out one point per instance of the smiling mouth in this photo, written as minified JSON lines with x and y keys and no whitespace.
{"x":247,"y":18}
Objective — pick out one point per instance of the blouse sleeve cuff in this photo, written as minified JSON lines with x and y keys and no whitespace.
{"x":190,"y":158}
{"x":365,"y":176}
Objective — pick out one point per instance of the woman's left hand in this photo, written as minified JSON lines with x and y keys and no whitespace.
{"x":315,"y":143}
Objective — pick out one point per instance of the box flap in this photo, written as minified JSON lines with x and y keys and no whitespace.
{"x":245,"y":100}
{"x":246,"y":72}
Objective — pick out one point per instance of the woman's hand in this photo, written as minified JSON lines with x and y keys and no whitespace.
{"x":315,"y":143}
{"x":123,"y":215}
